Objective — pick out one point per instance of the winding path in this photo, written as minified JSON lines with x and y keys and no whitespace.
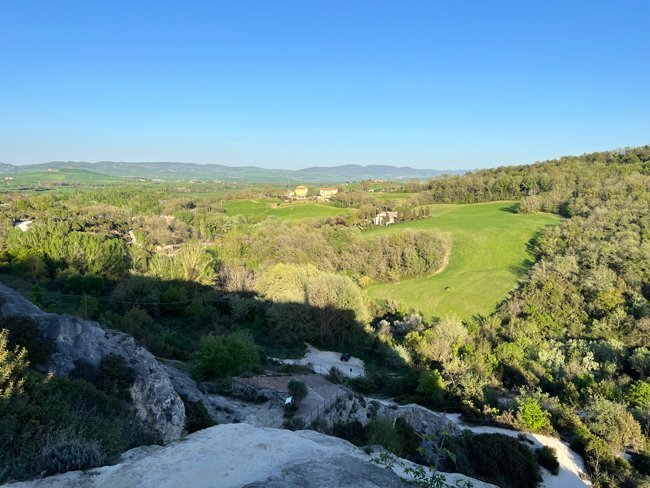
{"x":572,"y":465}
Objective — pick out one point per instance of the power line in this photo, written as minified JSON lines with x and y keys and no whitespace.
{"x":111,"y":300}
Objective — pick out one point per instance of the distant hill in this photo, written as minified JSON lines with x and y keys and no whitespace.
{"x":170,"y":171}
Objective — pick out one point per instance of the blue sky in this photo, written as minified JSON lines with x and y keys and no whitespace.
{"x":294,"y":84}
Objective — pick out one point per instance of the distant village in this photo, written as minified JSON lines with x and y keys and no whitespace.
{"x":304,"y":193}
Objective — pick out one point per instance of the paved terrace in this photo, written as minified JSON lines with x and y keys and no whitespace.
{"x":320,"y":391}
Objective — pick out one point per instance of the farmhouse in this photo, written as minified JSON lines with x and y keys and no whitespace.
{"x":385,"y":218}
{"x":301,"y":191}
{"x":327,"y":193}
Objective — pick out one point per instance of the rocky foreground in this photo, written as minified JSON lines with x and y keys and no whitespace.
{"x":242,"y":455}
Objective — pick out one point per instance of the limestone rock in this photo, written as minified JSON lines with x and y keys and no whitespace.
{"x":236,"y":455}
{"x":424,"y":421}
{"x":338,"y":472}
{"x":75,"y":339}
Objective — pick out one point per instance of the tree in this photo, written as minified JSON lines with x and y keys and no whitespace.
{"x":613,"y":423}
{"x":531,"y":416}
{"x":220,"y":356}
{"x":432,"y":386}
{"x":338,"y":302}
{"x":639,"y":394}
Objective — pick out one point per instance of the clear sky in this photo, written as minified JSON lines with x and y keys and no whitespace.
{"x":432,"y":84}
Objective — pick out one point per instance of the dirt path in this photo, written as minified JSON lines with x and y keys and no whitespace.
{"x":571,"y":464}
{"x":321,"y":362}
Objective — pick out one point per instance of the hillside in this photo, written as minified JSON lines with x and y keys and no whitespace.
{"x":517,"y":297}
{"x":172,"y":171}
{"x":488,"y":258}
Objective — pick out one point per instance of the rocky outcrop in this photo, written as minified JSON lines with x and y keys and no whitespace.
{"x":242,"y":455}
{"x":339,"y":471}
{"x":75,"y":339}
{"x":362,"y":409}
{"x":222,"y":410}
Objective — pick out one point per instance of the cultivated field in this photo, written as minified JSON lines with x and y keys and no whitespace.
{"x":271,"y":207}
{"x":489,"y":255}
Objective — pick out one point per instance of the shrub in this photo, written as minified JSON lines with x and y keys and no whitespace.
{"x":495,"y":458}
{"x":531,"y":416}
{"x":71,"y":455}
{"x":335,"y":375}
{"x":24,"y":332}
{"x":220,"y":356}
{"x":547,"y":458}
{"x":410,"y":441}
{"x":196,"y":416}
{"x":354,"y":432}
{"x":295,"y":423}
{"x":431,"y":386}
{"x":49,"y":405}
{"x":639,"y":394}
{"x":298,"y":391}
{"x":398,"y":437}
{"x":114,"y":377}
{"x":613,"y":423}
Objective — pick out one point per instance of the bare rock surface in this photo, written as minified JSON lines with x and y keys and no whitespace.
{"x":424,"y":421}
{"x":338,"y":472}
{"x":76,"y":339}
{"x":236,"y":455}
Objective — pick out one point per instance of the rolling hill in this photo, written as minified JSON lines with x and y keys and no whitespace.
{"x":171,"y":171}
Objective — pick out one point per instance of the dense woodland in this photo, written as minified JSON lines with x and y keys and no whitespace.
{"x":567,"y":353}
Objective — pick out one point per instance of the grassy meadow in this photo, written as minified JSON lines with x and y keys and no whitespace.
{"x":273,"y":207}
{"x":489,"y":256}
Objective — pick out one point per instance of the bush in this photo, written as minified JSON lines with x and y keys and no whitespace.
{"x":410,"y":441}
{"x":295,"y":423}
{"x":220,"y":356}
{"x":639,"y":394}
{"x":613,"y":423}
{"x":531,"y":416}
{"x":547,"y":458}
{"x":196,"y":416}
{"x":354,"y":432}
{"x":432,"y":387}
{"x":61,"y":406}
{"x":71,"y":455}
{"x":24,"y":332}
{"x":495,"y":458}
{"x":114,"y":377}
{"x":335,"y":375}
{"x":298,"y":391}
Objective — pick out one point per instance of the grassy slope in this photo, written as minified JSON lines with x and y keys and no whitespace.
{"x":288,"y":211}
{"x":489,"y":256}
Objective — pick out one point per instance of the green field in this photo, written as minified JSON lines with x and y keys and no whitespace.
{"x":271,"y":207}
{"x":489,"y":255}
{"x":71,"y":177}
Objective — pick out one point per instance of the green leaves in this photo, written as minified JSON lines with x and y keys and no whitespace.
{"x":220,"y":356}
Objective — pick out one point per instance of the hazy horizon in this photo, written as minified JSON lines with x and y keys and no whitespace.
{"x":292,"y":85}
